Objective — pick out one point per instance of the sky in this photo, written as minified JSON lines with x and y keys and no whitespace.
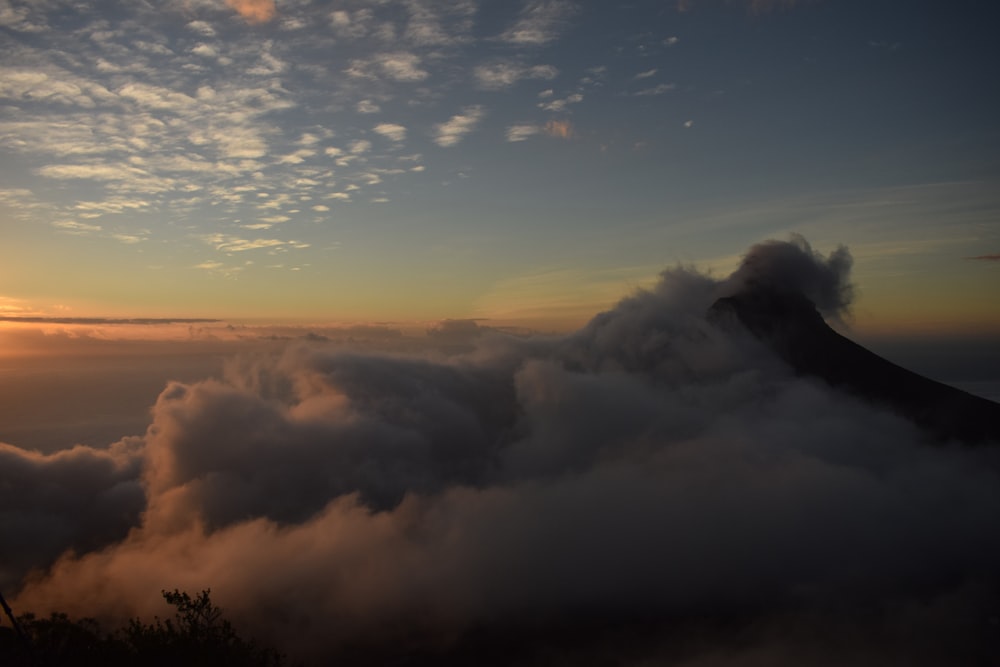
{"x":526,"y":162}
{"x":391,"y":321}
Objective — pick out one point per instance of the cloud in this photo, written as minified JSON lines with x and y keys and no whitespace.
{"x":391,"y":131}
{"x":522,"y":132}
{"x":539,"y":22}
{"x":79,"y":498}
{"x":795,"y":266}
{"x":359,"y":146}
{"x":561,"y":104}
{"x":986,"y":258}
{"x":646,"y":74}
{"x":229,"y":243}
{"x":254,"y":11}
{"x":450,"y":133}
{"x":367,"y":106}
{"x":202,"y":28}
{"x":561,"y":129}
{"x":398,"y":66}
{"x":75,"y":227}
{"x":659,"y":89}
{"x":503,"y":74}
{"x":655,"y":469}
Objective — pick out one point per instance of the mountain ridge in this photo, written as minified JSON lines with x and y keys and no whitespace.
{"x":790,"y":324}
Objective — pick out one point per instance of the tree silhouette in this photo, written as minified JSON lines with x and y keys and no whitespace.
{"x":197,"y":635}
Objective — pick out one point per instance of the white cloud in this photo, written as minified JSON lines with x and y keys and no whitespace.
{"x":156,"y":97}
{"x":399,"y":66}
{"x":228,"y":243}
{"x":75,"y":227}
{"x":454,"y":130}
{"x":522,"y":132}
{"x":359,"y":146}
{"x":205,"y":50}
{"x":503,"y":74}
{"x":440,"y":24}
{"x":296,"y":157}
{"x":656,"y":90}
{"x":561,"y":104}
{"x":646,"y":74}
{"x":391,"y":131}
{"x":367,"y":106}
{"x":202,"y":28}
{"x":539,"y":22}
{"x":96,"y":172}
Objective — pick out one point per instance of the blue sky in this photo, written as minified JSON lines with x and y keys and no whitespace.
{"x":519,"y":161}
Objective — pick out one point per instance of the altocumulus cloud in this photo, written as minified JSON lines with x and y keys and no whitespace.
{"x":657,"y":466}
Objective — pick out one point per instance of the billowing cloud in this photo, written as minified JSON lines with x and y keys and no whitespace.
{"x":254,"y":11}
{"x":796,"y":266}
{"x":656,"y":469}
{"x":454,"y":130}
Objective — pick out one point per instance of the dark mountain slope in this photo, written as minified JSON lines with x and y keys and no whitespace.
{"x":790,"y":324}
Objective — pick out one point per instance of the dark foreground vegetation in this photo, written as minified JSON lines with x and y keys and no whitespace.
{"x":196,"y":635}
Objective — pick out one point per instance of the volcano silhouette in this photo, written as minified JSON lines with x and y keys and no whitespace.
{"x":791,"y":326}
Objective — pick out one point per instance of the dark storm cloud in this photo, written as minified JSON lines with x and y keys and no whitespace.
{"x":655,"y":464}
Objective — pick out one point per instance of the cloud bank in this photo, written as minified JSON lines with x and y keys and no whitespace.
{"x":653,"y":470}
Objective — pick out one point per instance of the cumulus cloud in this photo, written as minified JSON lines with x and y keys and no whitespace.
{"x":451,"y":132}
{"x":391,"y":131}
{"x":656,"y":468}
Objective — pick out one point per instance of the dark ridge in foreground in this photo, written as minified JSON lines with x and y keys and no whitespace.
{"x":790,"y":324}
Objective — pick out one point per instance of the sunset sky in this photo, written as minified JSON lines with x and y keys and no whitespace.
{"x":528,"y":162}
{"x":400,"y":324}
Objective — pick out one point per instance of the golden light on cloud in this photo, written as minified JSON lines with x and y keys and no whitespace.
{"x":561,"y":129}
{"x":254,"y":11}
